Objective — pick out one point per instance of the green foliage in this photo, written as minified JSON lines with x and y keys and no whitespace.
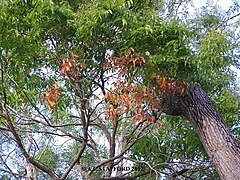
{"x":35,"y":38}
{"x":172,"y":144}
{"x":48,"y":157}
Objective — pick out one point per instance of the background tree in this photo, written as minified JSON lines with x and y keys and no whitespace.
{"x":85,"y":87}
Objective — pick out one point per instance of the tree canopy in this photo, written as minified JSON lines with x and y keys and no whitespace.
{"x":81,"y":81}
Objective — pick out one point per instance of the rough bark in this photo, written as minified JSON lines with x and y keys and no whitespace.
{"x":223,"y":150}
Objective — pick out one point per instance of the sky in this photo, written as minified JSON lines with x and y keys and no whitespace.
{"x":225,"y":4}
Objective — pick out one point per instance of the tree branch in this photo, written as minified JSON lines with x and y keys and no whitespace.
{"x":17,"y":138}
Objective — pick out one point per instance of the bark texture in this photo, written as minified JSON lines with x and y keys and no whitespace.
{"x":222,"y":148}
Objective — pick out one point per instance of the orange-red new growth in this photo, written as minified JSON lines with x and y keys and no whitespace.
{"x":51,"y":96}
{"x":67,"y":65}
{"x":128,"y":99}
{"x":70,"y":67}
{"x":129,"y":59}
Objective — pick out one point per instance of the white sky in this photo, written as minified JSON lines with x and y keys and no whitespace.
{"x":225,"y":4}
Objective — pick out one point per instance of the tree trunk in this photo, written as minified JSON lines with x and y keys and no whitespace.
{"x":223,"y":150}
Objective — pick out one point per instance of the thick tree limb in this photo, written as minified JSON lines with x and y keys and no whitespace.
{"x":223,"y":150}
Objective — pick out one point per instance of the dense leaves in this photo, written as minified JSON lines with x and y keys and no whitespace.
{"x":81,"y":80}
